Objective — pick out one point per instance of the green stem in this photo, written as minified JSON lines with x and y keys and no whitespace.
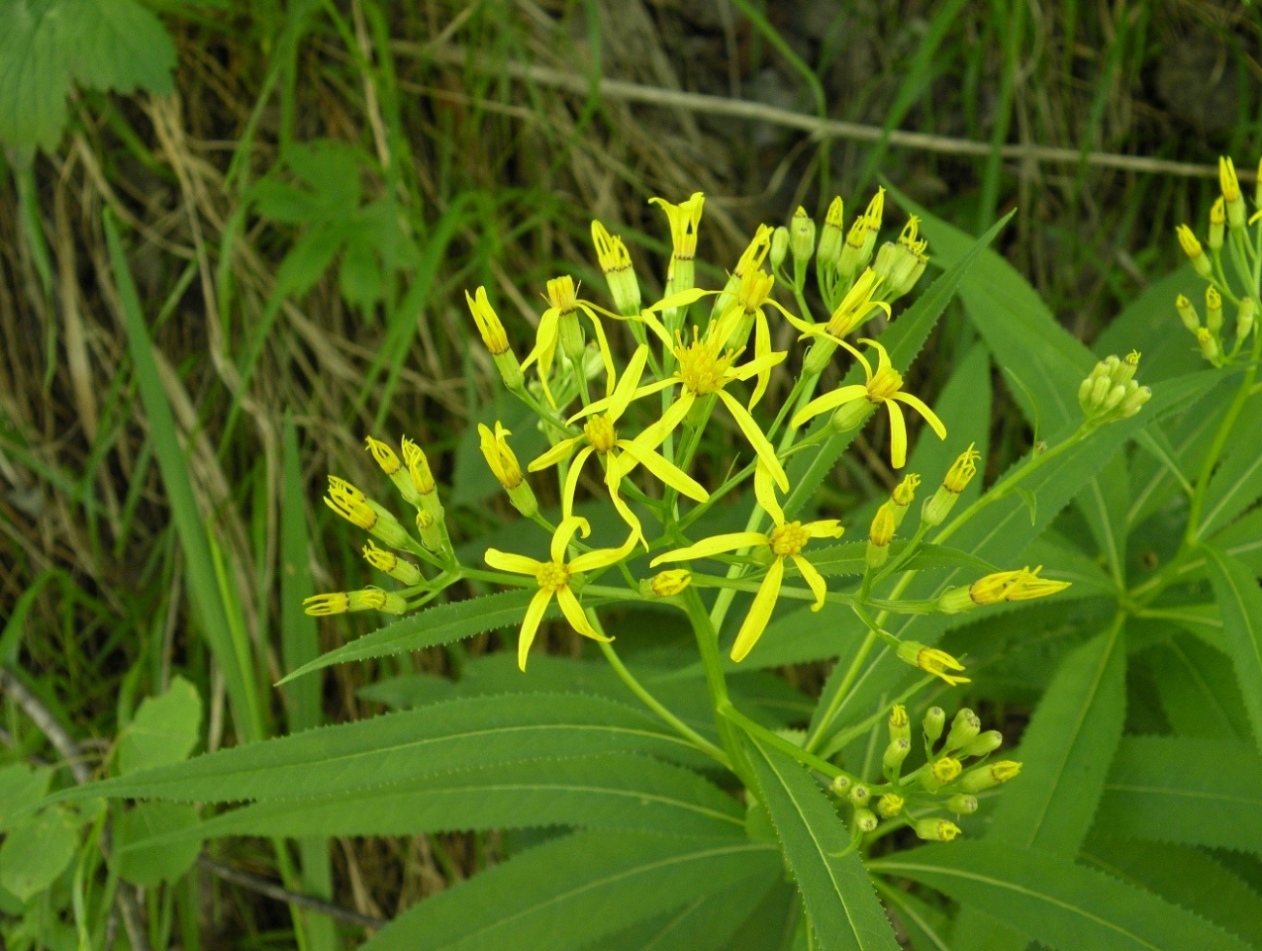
{"x":756,"y":729}
{"x":712,"y":662}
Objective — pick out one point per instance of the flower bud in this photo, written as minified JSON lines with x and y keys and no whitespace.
{"x":431,"y":532}
{"x":1217,"y":220}
{"x":895,"y":753}
{"x":496,"y":340}
{"x":502,"y":462}
{"x":859,"y":794}
{"x":1134,"y":402}
{"x":945,"y":770}
{"x":880,"y":534}
{"x":615,"y":262}
{"x":992,"y":774}
{"x":964,"y":727}
{"x":961,"y":473}
{"x":982,"y":744}
{"x":1187,"y":313}
{"x":368,"y":599}
{"x":864,"y":820}
{"x":850,"y":416}
{"x":1112,"y":394}
{"x":391,"y":466}
{"x":391,"y":564}
{"x":840,"y":785}
{"x":900,"y":726}
{"x":779,"y":247}
{"x":935,"y":720}
{"x":667,"y":584}
{"x":962,"y":804}
{"x":904,"y":494}
{"x":890,"y":805}
{"x":936,"y":830}
{"x":830,"y":237}
{"x":1001,"y":586}
{"x":418,"y":468}
{"x":1244,"y":319}
{"x":1230,"y":185}
{"x":1196,"y":254}
{"x":931,"y":661}
{"x":1209,"y":346}
{"x":801,"y":237}
{"x":1213,"y":309}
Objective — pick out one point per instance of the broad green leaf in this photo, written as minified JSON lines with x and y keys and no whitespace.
{"x":1198,"y":690}
{"x":1055,"y":901}
{"x":903,"y":339}
{"x":164,"y":731}
{"x":441,"y":624}
{"x":609,"y":791}
{"x":1193,"y":792}
{"x":1238,"y":482}
{"x":1242,"y":540}
{"x":143,"y":863}
{"x":928,"y":928}
{"x":116,"y":44}
{"x":36,"y":851}
{"x":571,"y":892}
{"x":1065,"y":752}
{"x":704,"y":924}
{"x":838,"y":893}
{"x":399,"y":747}
{"x":34,"y":77}
{"x":21,"y":787}
{"x":1240,"y":601}
{"x":1103,"y":503}
{"x":1183,"y":876}
{"x":770,"y":924}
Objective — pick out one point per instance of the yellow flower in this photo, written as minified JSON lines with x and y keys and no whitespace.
{"x":704,"y":367}
{"x":600,"y":435}
{"x":747,"y":308}
{"x":1023,"y":585}
{"x":488,"y":322}
{"x":563,"y":302}
{"x":883,"y":386}
{"x":615,"y":262}
{"x":856,"y":307}
{"x":931,"y":661}
{"x":684,"y":219}
{"x":554,"y":577}
{"x":499,"y":455}
{"x":786,"y":540}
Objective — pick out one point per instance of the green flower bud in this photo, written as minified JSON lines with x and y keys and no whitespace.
{"x":989,"y":775}
{"x":864,"y":820}
{"x":1217,"y":219}
{"x":830,"y":237}
{"x":964,"y":727}
{"x":840,"y":786}
{"x":860,"y":794}
{"x":900,"y":726}
{"x":982,"y":744}
{"x":890,"y":805}
{"x":962,"y":804}
{"x":936,"y":830}
{"x":1213,"y":309}
{"x":895,"y":753}
{"x":935,"y":720}
{"x":779,"y":247}
{"x":1244,"y":318}
{"x":1187,"y":313}
{"x":801,"y":236}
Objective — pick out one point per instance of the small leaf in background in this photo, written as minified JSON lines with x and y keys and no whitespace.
{"x":36,"y":851}
{"x":165,"y":729}
{"x":1240,"y":600}
{"x":159,"y":863}
{"x":21,"y":787}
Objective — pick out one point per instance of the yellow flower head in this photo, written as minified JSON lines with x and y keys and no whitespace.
{"x":905,"y":491}
{"x":563,"y":301}
{"x":1187,"y":241}
{"x":391,"y":564}
{"x":962,"y":471}
{"x":488,"y":322}
{"x":369,"y":599}
{"x":931,"y":661}
{"x":881,"y":531}
{"x":890,"y":805}
{"x":1227,"y":179}
{"x":946,"y":770}
{"x":621,"y":456}
{"x":667,"y":584}
{"x":882,"y":386}
{"x":684,"y":219}
{"x":855,"y":308}
{"x":499,"y":455}
{"x":785,"y":540}
{"x":1022,"y":585}
{"x":418,"y":467}
{"x":611,"y":253}
{"x":554,"y":577}
{"x":384,"y":455}
{"x":350,"y":503}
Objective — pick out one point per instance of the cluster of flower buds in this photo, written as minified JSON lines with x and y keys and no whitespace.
{"x":900,"y":265}
{"x":1110,"y":392}
{"x":887,"y":520}
{"x":414,"y":481}
{"x":941,"y":782}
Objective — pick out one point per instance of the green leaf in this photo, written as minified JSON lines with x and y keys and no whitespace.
{"x":34,"y":78}
{"x":1240,"y":601}
{"x":1065,"y":752}
{"x":1055,"y":901}
{"x":148,"y":864}
{"x":1242,"y":540}
{"x":704,"y":924}
{"x":1194,"y":792}
{"x":608,"y":791}
{"x":1150,"y":324}
{"x":903,"y":340}
{"x":839,"y":895}
{"x":1238,"y":482}
{"x":400,"y":747}
{"x":928,"y":928}
{"x":1182,"y":876}
{"x":21,"y":787}
{"x":36,"y":851}
{"x":437,"y":625}
{"x":570,"y":892}
{"x":116,"y":44}
{"x":1198,"y":691}
{"x":164,"y":731}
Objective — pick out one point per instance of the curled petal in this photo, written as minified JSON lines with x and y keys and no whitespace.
{"x":530,"y":625}
{"x":606,"y":355}
{"x":507,"y":561}
{"x":562,"y":450}
{"x":603,"y":557}
{"x":666,"y":472}
{"x":829,"y":401}
{"x":714,"y":545}
{"x":761,"y":445}
{"x":759,"y":612}
{"x":565,"y":531}
{"x":600,"y":406}
{"x":573,"y":612}
{"x":765,"y":492}
{"x":624,"y":392}
{"x":824,"y":528}
{"x":571,"y":480}
{"x":813,"y":579}
{"x":919,"y":405}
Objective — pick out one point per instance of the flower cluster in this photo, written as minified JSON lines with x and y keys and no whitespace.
{"x":1233,"y":241}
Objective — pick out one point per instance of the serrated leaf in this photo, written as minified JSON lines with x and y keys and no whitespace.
{"x":704,"y":924}
{"x":36,"y":851}
{"x":1240,"y":600}
{"x":1242,"y":540}
{"x":165,"y":729}
{"x":610,"y":791}
{"x":1194,"y":792}
{"x":437,"y":625}
{"x":903,"y":340}
{"x":399,"y":747}
{"x":1238,"y":482}
{"x":1055,"y":901}
{"x":1185,"y":876}
{"x":1150,"y":324}
{"x":570,"y":892}
{"x":143,"y":862}
{"x":1197,"y":688}
{"x":839,"y":896}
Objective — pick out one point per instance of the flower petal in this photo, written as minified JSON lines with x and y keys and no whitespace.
{"x":562,"y":450}
{"x":599,"y":406}
{"x":765,"y":492}
{"x":606,"y":355}
{"x":824,"y":528}
{"x":714,"y":545}
{"x":603,"y":557}
{"x":680,"y":299}
{"x":623,"y":393}
{"x":898,"y":435}
{"x":571,"y":480}
{"x":612,"y":482}
{"x":530,"y":625}
{"x":761,"y":445}
{"x":759,"y":612}
{"x":565,"y":531}
{"x":759,"y":364}
{"x":813,"y":579}
{"x":573,"y":612}
{"x":882,"y":355}
{"x":666,"y":472}
{"x":829,"y":401}
{"x":919,"y":405}
{"x":507,"y":561}
{"x":656,"y":434}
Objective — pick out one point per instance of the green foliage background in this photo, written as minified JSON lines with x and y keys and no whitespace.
{"x":236,"y":237}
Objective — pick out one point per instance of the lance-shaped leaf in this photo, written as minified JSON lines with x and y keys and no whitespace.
{"x":399,"y":747}
{"x":839,"y":895}
{"x":1055,"y":901}
{"x":1240,"y":600}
